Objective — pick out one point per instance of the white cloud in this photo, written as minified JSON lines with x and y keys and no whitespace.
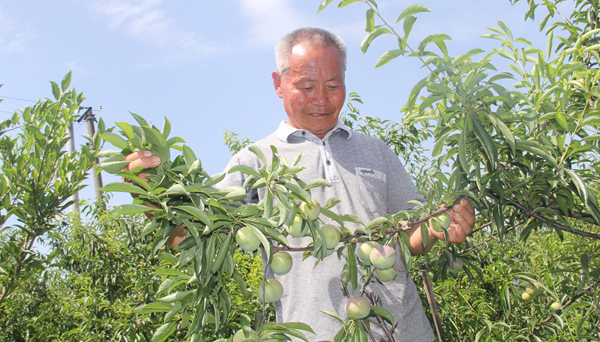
{"x":271,"y":19}
{"x":13,"y":37}
{"x":147,"y":22}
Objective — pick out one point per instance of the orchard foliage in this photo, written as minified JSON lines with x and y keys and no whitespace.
{"x":38,"y":177}
{"x":518,"y":129}
{"x":514,"y":129}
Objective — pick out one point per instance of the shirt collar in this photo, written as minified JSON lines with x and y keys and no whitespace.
{"x":285,"y":130}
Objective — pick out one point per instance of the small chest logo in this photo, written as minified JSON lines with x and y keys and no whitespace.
{"x":368,"y":172}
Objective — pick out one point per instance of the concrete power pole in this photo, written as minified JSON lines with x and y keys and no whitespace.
{"x":88,"y":115}
{"x":71,"y":149}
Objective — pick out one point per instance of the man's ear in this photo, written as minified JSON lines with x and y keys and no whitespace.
{"x":277,"y":83}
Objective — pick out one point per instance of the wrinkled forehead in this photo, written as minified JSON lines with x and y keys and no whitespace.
{"x":323,"y":56}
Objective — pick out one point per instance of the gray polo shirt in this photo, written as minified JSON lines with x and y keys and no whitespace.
{"x":370,"y":181}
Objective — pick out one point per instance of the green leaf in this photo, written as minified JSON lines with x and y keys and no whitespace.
{"x":317,"y":183}
{"x":506,"y":29}
{"x":376,"y":222}
{"x":164,"y":331}
{"x":462,"y":153}
{"x":387,"y":57}
{"x":323,"y":4}
{"x":561,"y":120}
{"x":65,"y":82}
{"x":113,"y":167}
{"x":166,"y":128}
{"x":177,"y":296}
{"x":334,"y":315}
{"x":298,"y":191}
{"x":370,"y":25}
{"x":347,"y":2}
{"x":234,"y":193}
{"x":152,"y":308}
{"x":140,"y":120}
{"x":364,"y":46}
{"x":197,"y":213}
{"x":331,"y":202}
{"x":123,"y":187}
{"x":244,"y":169}
{"x":527,"y":146}
{"x":131,"y":209}
{"x":254,"y":149}
{"x":176,"y":189}
{"x":55,"y":90}
{"x":411,"y":10}
{"x":458,"y":59}
{"x":409,"y":22}
{"x":377,"y":310}
{"x":127,"y":129}
{"x":439,"y":146}
{"x":486,"y":141}
{"x":110,"y":153}
{"x":114,"y":139}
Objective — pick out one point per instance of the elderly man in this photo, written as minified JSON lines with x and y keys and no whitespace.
{"x":364,"y":173}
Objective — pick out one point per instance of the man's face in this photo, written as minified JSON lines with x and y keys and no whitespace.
{"x":312,"y":88}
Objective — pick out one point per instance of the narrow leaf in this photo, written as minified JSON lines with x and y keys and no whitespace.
{"x":411,"y":10}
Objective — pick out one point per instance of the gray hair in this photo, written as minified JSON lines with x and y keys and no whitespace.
{"x":308,"y":35}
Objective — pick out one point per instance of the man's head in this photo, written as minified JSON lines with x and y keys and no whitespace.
{"x":310,"y":79}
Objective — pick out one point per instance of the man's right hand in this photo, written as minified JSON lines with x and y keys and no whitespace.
{"x":145,"y":159}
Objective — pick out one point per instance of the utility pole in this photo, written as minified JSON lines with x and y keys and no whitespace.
{"x":71,"y":149}
{"x":88,"y":115}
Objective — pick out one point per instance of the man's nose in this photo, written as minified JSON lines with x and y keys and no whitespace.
{"x":321,"y":96}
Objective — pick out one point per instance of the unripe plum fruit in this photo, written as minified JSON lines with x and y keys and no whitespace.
{"x":296,"y":228}
{"x":332,"y":235}
{"x":364,"y":252}
{"x":532,"y":289}
{"x":311,"y":211}
{"x":357,"y":308}
{"x":555,"y":306}
{"x":383,"y":257}
{"x":272,"y":291}
{"x":246,"y":239}
{"x":386,"y":275}
{"x":281,"y":263}
{"x":457,"y":266}
{"x":240,"y":336}
{"x":445,"y":222}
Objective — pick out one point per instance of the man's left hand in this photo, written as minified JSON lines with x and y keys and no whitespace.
{"x":461,"y":226}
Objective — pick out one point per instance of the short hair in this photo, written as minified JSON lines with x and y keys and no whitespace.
{"x":309,"y":35}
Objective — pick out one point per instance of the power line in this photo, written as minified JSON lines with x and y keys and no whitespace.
{"x":15,"y":98}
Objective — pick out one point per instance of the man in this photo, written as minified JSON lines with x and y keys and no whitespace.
{"x":364,"y":173}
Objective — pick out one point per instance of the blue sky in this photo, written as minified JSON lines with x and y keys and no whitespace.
{"x":206,"y":65}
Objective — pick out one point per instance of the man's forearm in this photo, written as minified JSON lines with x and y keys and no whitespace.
{"x":416,"y":241}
